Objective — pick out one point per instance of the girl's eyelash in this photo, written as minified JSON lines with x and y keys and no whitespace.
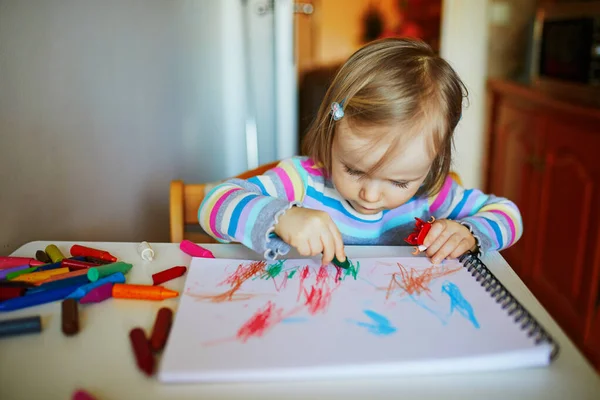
{"x":402,"y":185}
{"x":353,"y":171}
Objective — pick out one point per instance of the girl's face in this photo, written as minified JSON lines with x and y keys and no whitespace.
{"x":354,"y":153}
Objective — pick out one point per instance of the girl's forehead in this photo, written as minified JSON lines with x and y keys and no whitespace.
{"x":407,"y":155}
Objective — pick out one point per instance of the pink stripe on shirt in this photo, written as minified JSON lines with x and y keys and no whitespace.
{"x":216,"y":208}
{"x":439,"y":200}
{"x":511,"y":224}
{"x":286,"y":182}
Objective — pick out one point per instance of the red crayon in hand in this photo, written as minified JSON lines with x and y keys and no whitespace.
{"x":417,"y":237}
{"x":141,"y":350}
{"x":168,"y":274}
{"x":194,"y":250}
{"x":77,"y":250}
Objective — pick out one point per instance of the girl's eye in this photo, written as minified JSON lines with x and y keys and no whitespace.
{"x":401,"y":185}
{"x":353,"y":172}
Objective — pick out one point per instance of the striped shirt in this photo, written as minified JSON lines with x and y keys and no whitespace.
{"x":247,"y":211}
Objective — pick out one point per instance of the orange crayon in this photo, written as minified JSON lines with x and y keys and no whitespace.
{"x":142,"y":292}
{"x":62,"y":276}
{"x":35,"y":277}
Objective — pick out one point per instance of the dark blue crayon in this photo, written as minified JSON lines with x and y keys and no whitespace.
{"x":47,"y":296}
{"x":74,"y":281}
{"x":19,"y":326}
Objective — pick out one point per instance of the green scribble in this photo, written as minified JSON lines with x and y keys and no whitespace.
{"x":292,"y":273}
{"x":352,"y":270}
{"x":273,"y":270}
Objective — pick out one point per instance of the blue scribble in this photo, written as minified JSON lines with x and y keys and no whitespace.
{"x":380,"y":325}
{"x":458,"y":302}
{"x":418,"y":300}
{"x":293,"y":320}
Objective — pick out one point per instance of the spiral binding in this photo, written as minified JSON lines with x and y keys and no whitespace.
{"x":508,"y":302}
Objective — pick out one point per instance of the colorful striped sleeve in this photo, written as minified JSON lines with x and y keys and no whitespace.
{"x":246,"y":211}
{"x":495,"y":221}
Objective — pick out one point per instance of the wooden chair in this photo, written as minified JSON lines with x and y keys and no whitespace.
{"x":185,"y":200}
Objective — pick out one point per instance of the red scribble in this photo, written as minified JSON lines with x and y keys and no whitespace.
{"x":338,"y":274}
{"x":242,"y":273}
{"x":303,"y":275}
{"x":263,"y":320}
{"x":416,"y":281}
{"x":280,"y":286}
{"x":318,"y":299}
{"x":322,"y":275}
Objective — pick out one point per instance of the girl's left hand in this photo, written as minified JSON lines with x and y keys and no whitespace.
{"x":448,"y":238}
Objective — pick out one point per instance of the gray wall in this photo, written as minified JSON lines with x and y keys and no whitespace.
{"x":102,"y":103}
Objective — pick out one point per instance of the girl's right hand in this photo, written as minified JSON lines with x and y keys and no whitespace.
{"x":311,"y":232}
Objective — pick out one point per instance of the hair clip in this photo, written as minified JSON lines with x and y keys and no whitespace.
{"x":337,"y":111}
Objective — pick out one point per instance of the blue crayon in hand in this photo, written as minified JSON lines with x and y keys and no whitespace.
{"x":117,"y":277}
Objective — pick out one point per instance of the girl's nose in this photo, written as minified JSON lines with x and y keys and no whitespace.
{"x":370,"y":192}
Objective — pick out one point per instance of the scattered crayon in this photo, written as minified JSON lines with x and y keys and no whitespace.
{"x":117,"y":277}
{"x":12,"y":275}
{"x":82,"y":395}
{"x":70,"y":317}
{"x":11,"y":292}
{"x":54,"y":253}
{"x":59,"y":277}
{"x":141,"y":351}
{"x":4,"y":284}
{"x":98,"y":261}
{"x":98,"y":294}
{"x":168,"y":274}
{"x":42,"y":256}
{"x":72,"y":281}
{"x":8,"y":262}
{"x":96,"y":273}
{"x":194,"y":250}
{"x":161,"y":329}
{"x":4,"y":272}
{"x":142,"y":292}
{"x":75,"y":265}
{"x":40,"y":276}
{"x":77,"y":250}
{"x":47,"y":296}
{"x":19,"y":326}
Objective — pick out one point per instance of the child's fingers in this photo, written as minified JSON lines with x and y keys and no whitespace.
{"x":303,"y":248}
{"x":446,"y":249}
{"x":462,"y":248}
{"x":434,"y":233}
{"x":340,"y":254}
{"x":439,"y":239}
{"x":328,"y":248}
{"x":316,"y":247}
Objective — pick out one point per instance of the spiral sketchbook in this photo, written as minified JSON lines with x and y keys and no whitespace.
{"x":294,"y":319}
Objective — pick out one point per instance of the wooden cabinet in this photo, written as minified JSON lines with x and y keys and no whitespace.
{"x":545,"y":156}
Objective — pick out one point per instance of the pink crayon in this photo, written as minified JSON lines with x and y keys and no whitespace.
{"x":98,"y":294}
{"x":9,"y":262}
{"x":194,"y":250}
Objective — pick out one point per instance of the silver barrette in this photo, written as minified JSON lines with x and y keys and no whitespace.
{"x":337,"y":111}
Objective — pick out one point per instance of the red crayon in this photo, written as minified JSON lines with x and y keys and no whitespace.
{"x":75,"y":265}
{"x":141,"y":351}
{"x":11,"y":292}
{"x":161,"y":329}
{"x":82,"y":395}
{"x":77,"y":250}
{"x":9,"y":262}
{"x":168,"y":274}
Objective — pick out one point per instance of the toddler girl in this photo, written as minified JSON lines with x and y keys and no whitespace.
{"x":377,"y":155}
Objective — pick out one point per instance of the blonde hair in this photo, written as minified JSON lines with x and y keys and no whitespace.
{"x":393,"y":81}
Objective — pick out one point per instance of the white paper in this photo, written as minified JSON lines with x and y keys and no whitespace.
{"x":293,"y":319}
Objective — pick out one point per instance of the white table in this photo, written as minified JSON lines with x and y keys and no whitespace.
{"x":99,"y":359}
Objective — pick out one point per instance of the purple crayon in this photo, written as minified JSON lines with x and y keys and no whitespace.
{"x":98,"y":294}
{"x":6,"y":271}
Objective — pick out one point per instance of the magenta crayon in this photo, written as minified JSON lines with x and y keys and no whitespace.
{"x":194,"y":250}
{"x":82,"y":395}
{"x":98,"y":294}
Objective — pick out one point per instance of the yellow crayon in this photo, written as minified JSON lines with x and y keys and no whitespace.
{"x":34,"y":277}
